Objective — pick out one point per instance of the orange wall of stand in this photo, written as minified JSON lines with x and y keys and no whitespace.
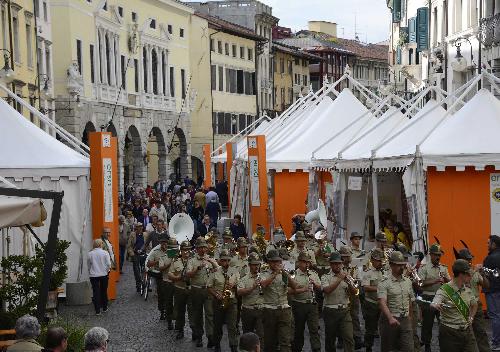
{"x":459,"y":209}
{"x":259,"y":214}
{"x":97,"y":153}
{"x":324,"y":177}
{"x":290,"y":194}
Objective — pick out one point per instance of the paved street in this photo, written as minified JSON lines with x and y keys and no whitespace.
{"x":134,"y":324}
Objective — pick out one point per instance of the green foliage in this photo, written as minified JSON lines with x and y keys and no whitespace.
{"x":75,"y":330}
{"x":23,"y":279}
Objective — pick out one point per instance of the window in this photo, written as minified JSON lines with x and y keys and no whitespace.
{"x":228,"y":80}
{"x":123,"y":71}
{"x":234,"y":49}
{"x":4,"y":26}
{"x":297,"y":61}
{"x":134,"y":16}
{"x":250,"y":120}
{"x":305,"y":80}
{"x":164,"y":73}
{"x":240,"y":88}
{"x":45,"y":12}
{"x":15,"y":26}
{"x":152,"y":24}
{"x":219,"y":47}
{"x":79,"y":55}
{"x":226,"y":48}
{"x":136,"y":75}
{"x":181,"y":32}
{"x":183,"y":83}
{"x":120,"y":11}
{"x":145,"y":68}
{"x":212,"y":44}
{"x":233,"y":79}
{"x":248,"y":83}
{"x":242,"y":121}
{"x":242,"y":52}
{"x":213,"y":76}
{"x":29,"y":48}
{"x":108,"y":59}
{"x":282,"y":66}
{"x":227,"y":123}
{"x":221,"y":79}
{"x":92,"y":72}
{"x":169,"y":29}
{"x":172,"y":82}
{"x":250,"y":54}
{"x":154,"y":69}
{"x":47,"y":60}
{"x":290,"y":67}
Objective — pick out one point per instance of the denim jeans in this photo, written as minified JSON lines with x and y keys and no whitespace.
{"x":493,"y":303}
{"x":122,"y":256}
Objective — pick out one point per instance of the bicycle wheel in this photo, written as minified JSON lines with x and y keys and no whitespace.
{"x":147,"y":285}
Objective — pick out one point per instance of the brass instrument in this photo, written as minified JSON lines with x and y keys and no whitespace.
{"x":212,"y":242}
{"x":311,"y":287}
{"x":387,"y":253}
{"x":226,"y":293}
{"x":260,"y":242}
{"x":261,"y":292}
{"x":288,"y":244}
{"x":493,"y":272}
{"x":413,"y":275}
{"x":352,"y":282}
{"x":421,"y":300}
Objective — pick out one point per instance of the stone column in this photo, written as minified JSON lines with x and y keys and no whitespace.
{"x":140,"y":169}
{"x":167,"y":75}
{"x":159,"y":72}
{"x":112,"y":58}
{"x":141,"y":70}
{"x":97,"y":56}
{"x":120,"y":164}
{"x":150,"y":69}
{"x":103,"y":63}
{"x":118,"y":61}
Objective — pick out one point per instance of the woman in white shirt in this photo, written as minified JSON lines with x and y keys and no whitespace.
{"x":99,"y":264}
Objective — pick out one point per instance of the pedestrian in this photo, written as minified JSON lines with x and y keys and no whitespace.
{"x":135,"y":246}
{"x":159,"y":210}
{"x":211,"y":196}
{"x":196,"y":213}
{"x":123,"y":234}
{"x":458,"y":306}
{"x":433,"y":275}
{"x":165,"y":261}
{"x":238,"y":228}
{"x":200,"y":197}
{"x":214,"y":211}
{"x":249,"y":342}
{"x":99,"y":265}
{"x":27,"y":332}
{"x":492,"y":262}
{"x":96,"y":340}
{"x":56,"y":340}
{"x":108,"y":247}
{"x":395,"y":297}
{"x":154,"y":271}
{"x":300,"y":246}
{"x":205,"y":225}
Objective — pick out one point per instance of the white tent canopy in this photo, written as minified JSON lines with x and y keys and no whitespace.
{"x":16,"y":211}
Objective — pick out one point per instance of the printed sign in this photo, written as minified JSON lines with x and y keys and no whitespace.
{"x":355,"y":183}
{"x":252,"y":143}
{"x":108,"y":189}
{"x":106,"y":141}
{"x":495,"y":202}
{"x":254,"y":181}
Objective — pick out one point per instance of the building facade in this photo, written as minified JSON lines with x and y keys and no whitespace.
{"x":257,"y":17}
{"x":291,"y":74}
{"x":27,"y":48}
{"x":125,"y":68}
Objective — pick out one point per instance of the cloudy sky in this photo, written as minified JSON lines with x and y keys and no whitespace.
{"x":372,"y":16}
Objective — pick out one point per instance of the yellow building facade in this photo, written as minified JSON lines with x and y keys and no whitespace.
{"x":124,"y":66}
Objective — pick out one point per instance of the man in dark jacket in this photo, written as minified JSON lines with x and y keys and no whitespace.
{"x":492,"y":261}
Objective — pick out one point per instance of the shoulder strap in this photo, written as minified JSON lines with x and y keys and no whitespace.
{"x":457,"y":300}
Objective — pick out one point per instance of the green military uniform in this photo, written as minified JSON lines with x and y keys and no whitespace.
{"x":398,"y":292}
{"x":370,"y":308}
{"x":426,"y":272}
{"x":455,"y":333}
{"x":240,"y":263}
{"x":294,"y":253}
{"x":181,"y":290}
{"x":322,"y":268}
{"x":251,"y":309}
{"x":167,"y":287}
{"x":199,"y":295}
{"x":336,"y":314}
{"x":225,"y":310}
{"x":157,"y":254}
{"x":305,"y":310}
{"x":277,"y":314}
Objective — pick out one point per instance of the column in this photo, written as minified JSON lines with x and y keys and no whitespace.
{"x":160,"y":71}
{"x":150,"y":69}
{"x":167,"y":75}
{"x":112,"y":58}
{"x":103,"y":65}
{"x":141,"y":69}
{"x":118,"y":62}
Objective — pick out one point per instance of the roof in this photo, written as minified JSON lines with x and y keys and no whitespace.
{"x":311,"y":43}
{"x":294,"y":51}
{"x":229,"y":27}
{"x":369,"y":51}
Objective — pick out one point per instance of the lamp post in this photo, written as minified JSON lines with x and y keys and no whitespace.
{"x":460,"y":63}
{"x":7,"y":74}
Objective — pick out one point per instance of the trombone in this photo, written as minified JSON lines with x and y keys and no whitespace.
{"x":413,"y":274}
{"x":353,"y":283}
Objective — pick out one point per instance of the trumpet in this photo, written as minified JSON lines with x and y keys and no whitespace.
{"x":421,"y":300}
{"x":261,"y":292}
{"x":353,"y":283}
{"x":413,"y":274}
{"x":493,"y":272}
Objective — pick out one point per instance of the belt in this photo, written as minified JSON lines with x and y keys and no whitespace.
{"x":305,"y":301}
{"x":336,"y":306}
{"x":459,"y":328}
{"x":199,"y":286}
{"x":181,"y":288}
{"x":255,"y":307}
{"x":428,"y":293}
{"x":400,"y":315}
{"x":281,"y":306}
{"x":370,"y":300}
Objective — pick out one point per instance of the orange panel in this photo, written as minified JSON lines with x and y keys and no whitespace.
{"x":229,"y":165}
{"x":207,"y":182}
{"x":324,"y":177}
{"x":459,"y":209}
{"x":260,"y":213}
{"x":290,"y":194}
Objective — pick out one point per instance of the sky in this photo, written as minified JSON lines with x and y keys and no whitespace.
{"x":372,"y":16}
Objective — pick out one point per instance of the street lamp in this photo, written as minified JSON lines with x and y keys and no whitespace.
{"x":6,"y":73}
{"x":459,"y":63}
{"x":45,"y":90}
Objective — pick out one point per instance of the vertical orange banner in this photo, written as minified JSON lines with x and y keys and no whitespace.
{"x":207,"y":182}
{"x":229,"y":164}
{"x":220,"y":169}
{"x":258,"y":182}
{"x":104,"y":183}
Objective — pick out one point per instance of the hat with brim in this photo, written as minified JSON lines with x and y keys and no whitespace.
{"x":283,"y":253}
{"x":380,"y":237}
{"x":185,"y":246}
{"x":200,"y":242}
{"x":304,"y":257}
{"x":397,"y":258}
{"x":465,"y":254}
{"x":377,"y":254}
{"x":242,"y":242}
{"x":345,"y":251}
{"x":224,"y":255}
{"x":436,"y":249}
{"x":299,"y":236}
{"x":355,"y":235}
{"x":335,"y":258}
{"x":172,"y":243}
{"x":461,"y":266}
{"x":138,"y":224}
{"x":254,"y":259}
{"x":273,"y":256}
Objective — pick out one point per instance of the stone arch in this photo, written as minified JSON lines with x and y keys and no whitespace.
{"x":111,"y":128}
{"x":157,"y":156}
{"x":89,"y":127}
{"x":179,"y":154}
{"x":197,"y":167}
{"x":134,"y":158}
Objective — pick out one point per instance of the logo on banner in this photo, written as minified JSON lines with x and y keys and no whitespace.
{"x":108,"y":189}
{"x":496,"y":194}
{"x":495,"y":202}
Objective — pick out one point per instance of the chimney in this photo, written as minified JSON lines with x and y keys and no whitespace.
{"x":326,"y":27}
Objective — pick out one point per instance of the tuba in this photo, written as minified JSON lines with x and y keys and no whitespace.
{"x":181,"y":227}
{"x":318,"y":214}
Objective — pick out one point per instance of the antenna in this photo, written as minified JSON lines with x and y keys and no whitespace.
{"x":355,"y":27}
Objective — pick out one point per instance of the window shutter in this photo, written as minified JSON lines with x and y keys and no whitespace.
{"x":396,"y":11}
{"x":422,"y":28}
{"x":398,"y":55}
{"x":412,"y":30}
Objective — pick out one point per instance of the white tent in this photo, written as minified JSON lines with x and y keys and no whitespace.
{"x":32,"y":159}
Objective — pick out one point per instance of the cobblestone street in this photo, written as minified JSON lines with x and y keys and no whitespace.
{"x":134,"y":324}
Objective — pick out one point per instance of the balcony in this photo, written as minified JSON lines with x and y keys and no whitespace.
{"x":157,"y":102}
{"x":109,"y":94}
{"x":490,"y":30}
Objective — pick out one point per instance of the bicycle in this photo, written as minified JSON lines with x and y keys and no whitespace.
{"x":146,"y":285}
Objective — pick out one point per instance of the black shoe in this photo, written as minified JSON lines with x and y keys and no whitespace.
{"x":428,"y":348}
{"x":210,"y":343}
{"x":340,"y":343}
{"x":217,"y":348}
{"x":170,"y":325}
{"x":199,"y":342}
{"x":180,"y":335}
{"x":358,"y":343}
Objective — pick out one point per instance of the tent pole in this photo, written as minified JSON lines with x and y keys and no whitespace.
{"x":376,"y":219}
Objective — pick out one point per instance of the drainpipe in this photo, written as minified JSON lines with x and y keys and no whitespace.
{"x":480,"y":43}
{"x":211,"y":91}
{"x":445,"y":6}
{"x":9,"y":13}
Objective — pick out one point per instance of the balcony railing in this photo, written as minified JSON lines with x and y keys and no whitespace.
{"x":490,"y":30}
{"x":109,"y":94}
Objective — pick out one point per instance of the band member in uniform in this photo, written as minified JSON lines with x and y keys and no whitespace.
{"x":251,"y":293}
{"x":222,"y":286}
{"x":355,"y":305}
{"x":396,"y":297}
{"x":322,"y":265}
{"x":227,"y":244}
{"x":336,"y":314}
{"x":198,"y":270}
{"x":304,"y":306}
{"x":177,"y":274}
{"x":355,"y":244}
{"x":240,"y":263}
{"x":311,"y":242}
{"x":153,"y":264}
{"x":370,"y":308}
{"x":277,"y":314}
{"x":167,"y":285}
{"x":433,"y":275}
{"x":458,"y":306}
{"x":477,"y":281}
{"x":300,"y":246}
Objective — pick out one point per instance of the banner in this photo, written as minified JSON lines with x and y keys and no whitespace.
{"x":495,"y":202}
{"x":254,"y":181}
